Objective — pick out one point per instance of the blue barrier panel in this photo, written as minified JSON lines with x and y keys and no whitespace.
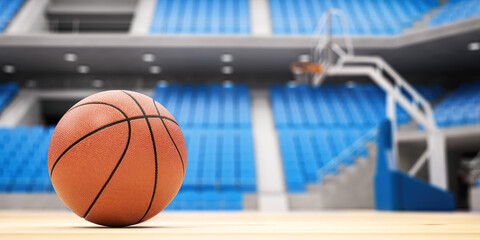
{"x":398,"y":191}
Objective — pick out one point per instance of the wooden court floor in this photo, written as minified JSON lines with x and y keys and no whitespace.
{"x":249,"y":225}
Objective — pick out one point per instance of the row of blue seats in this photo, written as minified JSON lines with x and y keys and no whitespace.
{"x":23,"y":159}
{"x":220,"y":159}
{"x":216,"y":122}
{"x":217,"y":159}
{"x":378,"y":17}
{"x":300,"y":106}
{"x":209,"y":200}
{"x":363,"y":11}
{"x":7,"y":92}
{"x":458,"y":117}
{"x":8,"y":9}
{"x":206,"y":105}
{"x":340,"y":106}
{"x":201,"y":17}
{"x":381,"y":17}
{"x":316,"y":124}
{"x":456,"y":10}
{"x":337,"y":29}
{"x":462,"y":107}
{"x":305,"y":151}
{"x":26,"y":184}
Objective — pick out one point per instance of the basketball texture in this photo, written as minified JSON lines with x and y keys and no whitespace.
{"x":117,"y":158}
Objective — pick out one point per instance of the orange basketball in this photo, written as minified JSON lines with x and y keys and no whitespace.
{"x":117,"y":158}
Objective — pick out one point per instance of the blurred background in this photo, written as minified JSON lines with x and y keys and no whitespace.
{"x":259,"y":137}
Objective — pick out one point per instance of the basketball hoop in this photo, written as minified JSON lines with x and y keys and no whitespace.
{"x":304,"y":70}
{"x":326,"y":52}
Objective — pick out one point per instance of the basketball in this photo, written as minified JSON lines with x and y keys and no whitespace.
{"x":300,"y":119}
{"x":117,"y":158}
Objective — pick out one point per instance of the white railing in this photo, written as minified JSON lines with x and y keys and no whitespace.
{"x":332,"y":167}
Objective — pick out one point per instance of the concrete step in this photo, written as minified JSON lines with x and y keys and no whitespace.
{"x":352,"y":188}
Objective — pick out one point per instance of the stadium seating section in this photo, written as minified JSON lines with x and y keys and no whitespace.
{"x":305,"y":151}
{"x":290,"y":17}
{"x":364,"y":17}
{"x":201,"y":17}
{"x":207,"y":200}
{"x":220,"y":159}
{"x":336,"y":106}
{"x":220,"y":169}
{"x":23,"y":156}
{"x":8,"y":9}
{"x":216,"y":123}
{"x":462,"y":107}
{"x":214,"y":106}
{"x":10,"y":142}
{"x":315,"y":124}
{"x":456,"y":10}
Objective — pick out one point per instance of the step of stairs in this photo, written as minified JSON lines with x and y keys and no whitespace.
{"x":352,"y":188}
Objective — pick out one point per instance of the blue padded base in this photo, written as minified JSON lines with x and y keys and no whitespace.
{"x":398,"y":191}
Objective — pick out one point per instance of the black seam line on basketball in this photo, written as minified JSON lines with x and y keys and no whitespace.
{"x":102,"y":103}
{"x":174,"y":144}
{"x":119,"y":161}
{"x":68,"y":148}
{"x":155,"y":156}
{"x":113,"y":171}
{"x":97,"y":130}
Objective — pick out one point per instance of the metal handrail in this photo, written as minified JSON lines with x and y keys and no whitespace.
{"x":336,"y":162}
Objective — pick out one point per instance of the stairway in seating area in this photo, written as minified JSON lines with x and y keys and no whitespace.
{"x":326,"y":139}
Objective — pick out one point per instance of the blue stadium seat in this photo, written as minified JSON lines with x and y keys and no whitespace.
{"x":335,"y":106}
{"x":305,"y":151}
{"x":209,"y":200}
{"x":456,"y":10}
{"x":316,"y":124}
{"x":364,"y":17}
{"x":201,"y":17}
{"x":24,"y":159}
{"x":206,"y":106}
{"x":462,"y":107}
{"x":220,"y":159}
{"x":232,"y":200}
{"x":216,"y":123}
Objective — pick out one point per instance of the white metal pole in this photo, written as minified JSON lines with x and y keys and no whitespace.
{"x":437,"y":164}
{"x":391,"y":115}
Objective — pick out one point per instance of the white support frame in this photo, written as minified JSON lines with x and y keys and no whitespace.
{"x":435,"y":138}
{"x":378,"y":70}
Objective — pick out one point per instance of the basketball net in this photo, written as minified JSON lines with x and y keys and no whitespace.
{"x":303,"y":71}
